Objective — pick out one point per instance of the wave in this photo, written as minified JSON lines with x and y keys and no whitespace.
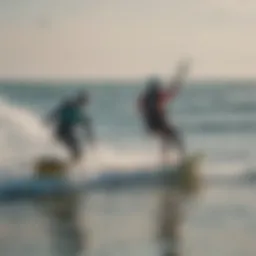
{"x":24,"y":137}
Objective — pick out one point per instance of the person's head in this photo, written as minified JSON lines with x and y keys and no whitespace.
{"x":153,"y":85}
{"x":82,"y":98}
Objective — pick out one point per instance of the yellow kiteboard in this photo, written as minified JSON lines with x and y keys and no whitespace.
{"x":51,"y":167}
{"x":190,"y":174}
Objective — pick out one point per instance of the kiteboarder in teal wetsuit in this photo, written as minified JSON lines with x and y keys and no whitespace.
{"x":67,"y":117}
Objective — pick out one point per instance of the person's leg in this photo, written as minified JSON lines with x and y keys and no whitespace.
{"x":176,"y":138}
{"x":74,"y":148}
{"x":165,"y":148}
{"x":170,"y":135}
{"x":68,"y":138}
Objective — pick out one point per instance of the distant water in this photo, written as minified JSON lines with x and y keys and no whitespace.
{"x":217,"y":118}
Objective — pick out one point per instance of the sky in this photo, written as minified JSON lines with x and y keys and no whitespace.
{"x":126,"y":38}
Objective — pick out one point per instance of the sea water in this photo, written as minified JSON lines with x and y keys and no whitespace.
{"x":215,"y":117}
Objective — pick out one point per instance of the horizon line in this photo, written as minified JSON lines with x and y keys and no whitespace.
{"x":116,"y":79}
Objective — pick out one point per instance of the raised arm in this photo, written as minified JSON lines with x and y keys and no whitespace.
{"x":176,"y":82}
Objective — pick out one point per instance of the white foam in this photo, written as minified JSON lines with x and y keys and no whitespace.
{"x":23,"y":137}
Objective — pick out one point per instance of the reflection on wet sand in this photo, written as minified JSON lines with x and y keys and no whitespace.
{"x":61,"y":210}
{"x":169,"y":223}
{"x":67,"y":238}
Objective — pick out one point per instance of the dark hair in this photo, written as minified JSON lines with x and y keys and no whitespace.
{"x":82,"y":96}
{"x":153,"y":85}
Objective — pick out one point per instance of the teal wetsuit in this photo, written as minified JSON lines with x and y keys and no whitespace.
{"x":68,"y":116}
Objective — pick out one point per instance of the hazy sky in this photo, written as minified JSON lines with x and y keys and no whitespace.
{"x":126,"y":38}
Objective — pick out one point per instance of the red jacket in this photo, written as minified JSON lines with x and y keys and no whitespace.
{"x":164,"y":97}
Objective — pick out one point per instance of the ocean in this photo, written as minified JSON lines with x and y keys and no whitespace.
{"x":217,"y":118}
